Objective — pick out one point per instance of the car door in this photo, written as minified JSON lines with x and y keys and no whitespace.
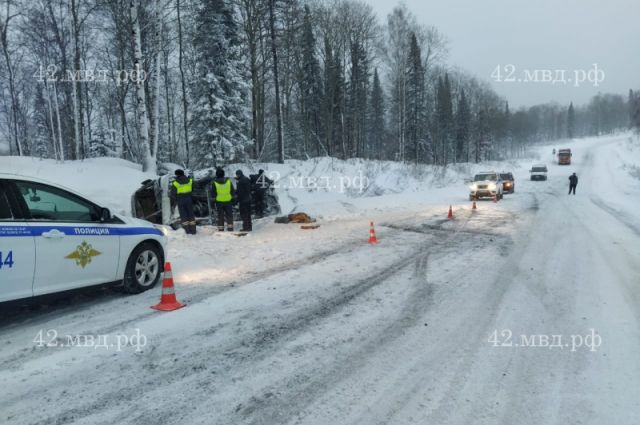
{"x":17,"y":250}
{"x":73,"y":248}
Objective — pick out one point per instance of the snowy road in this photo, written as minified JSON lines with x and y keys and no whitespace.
{"x":347,"y":333}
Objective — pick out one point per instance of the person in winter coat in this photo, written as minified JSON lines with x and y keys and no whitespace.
{"x":260,"y":183}
{"x":243,"y":194}
{"x":573,"y":182}
{"x":223,"y":195}
{"x":181,"y":189}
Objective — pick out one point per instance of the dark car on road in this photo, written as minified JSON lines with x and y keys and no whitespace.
{"x":508,"y":182}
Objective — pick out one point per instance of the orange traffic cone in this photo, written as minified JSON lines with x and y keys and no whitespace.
{"x":450,"y":215}
{"x":372,"y":235}
{"x":474,"y":206}
{"x":168,"y":301}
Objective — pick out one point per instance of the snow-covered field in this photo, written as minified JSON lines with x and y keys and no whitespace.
{"x":443,"y":322}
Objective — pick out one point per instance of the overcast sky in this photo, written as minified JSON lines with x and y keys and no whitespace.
{"x":538,"y":35}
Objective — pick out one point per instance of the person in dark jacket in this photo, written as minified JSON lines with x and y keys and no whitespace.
{"x":223,"y":195}
{"x":181,"y":189}
{"x":243,"y":194}
{"x":573,"y":182}
{"x":260,"y":183}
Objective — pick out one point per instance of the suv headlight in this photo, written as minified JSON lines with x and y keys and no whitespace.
{"x":492,"y":186}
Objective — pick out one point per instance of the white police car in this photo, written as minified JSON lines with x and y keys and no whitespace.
{"x":54,"y":240}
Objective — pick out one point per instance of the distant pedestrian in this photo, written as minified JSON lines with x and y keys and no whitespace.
{"x":243,"y":194}
{"x":223,"y":195}
{"x":260,"y":183}
{"x":573,"y":182}
{"x":181,"y":190}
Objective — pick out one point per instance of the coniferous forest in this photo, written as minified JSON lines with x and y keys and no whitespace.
{"x":208,"y":82}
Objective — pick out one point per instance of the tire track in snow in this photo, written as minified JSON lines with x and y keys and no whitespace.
{"x":33,"y":353}
{"x":292,"y":399}
{"x":268,"y":338}
{"x":262,"y":341}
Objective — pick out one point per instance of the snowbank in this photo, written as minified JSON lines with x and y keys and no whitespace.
{"x":332,"y":188}
{"x":326,"y":187}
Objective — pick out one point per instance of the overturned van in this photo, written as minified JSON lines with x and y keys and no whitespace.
{"x":152,"y":202}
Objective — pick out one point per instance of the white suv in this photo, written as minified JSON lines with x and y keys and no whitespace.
{"x":538,"y":172}
{"x":486,"y":184}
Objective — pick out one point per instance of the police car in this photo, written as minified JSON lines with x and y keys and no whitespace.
{"x":53,"y":240}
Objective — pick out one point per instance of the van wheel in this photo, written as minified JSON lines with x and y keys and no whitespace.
{"x":144,"y":268}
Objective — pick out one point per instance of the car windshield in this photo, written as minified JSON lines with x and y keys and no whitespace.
{"x":506,"y":176}
{"x":485,"y":177}
{"x":540,"y":169}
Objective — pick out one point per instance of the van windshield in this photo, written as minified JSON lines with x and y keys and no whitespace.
{"x":539,"y":169}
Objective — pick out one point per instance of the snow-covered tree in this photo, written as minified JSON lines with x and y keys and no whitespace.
{"x":219,"y":114}
{"x":311,"y":92}
{"x":377,"y":146}
{"x":571,"y":121}
{"x":445,"y":128}
{"x":463,"y":128}
{"x":415,"y":96}
{"x":41,"y":133}
{"x":144,"y":145}
{"x":634,"y":109}
{"x":482,"y":136}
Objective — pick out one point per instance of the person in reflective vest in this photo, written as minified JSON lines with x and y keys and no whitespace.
{"x":223,"y":195}
{"x":181,"y":189}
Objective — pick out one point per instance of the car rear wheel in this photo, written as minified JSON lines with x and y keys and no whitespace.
{"x":144,"y":268}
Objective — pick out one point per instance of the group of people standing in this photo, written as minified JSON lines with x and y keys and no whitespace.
{"x":224,"y":195}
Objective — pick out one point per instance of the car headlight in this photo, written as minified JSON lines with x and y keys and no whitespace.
{"x":473,"y":186}
{"x":492,"y":186}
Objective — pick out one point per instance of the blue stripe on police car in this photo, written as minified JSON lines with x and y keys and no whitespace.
{"x":17,"y":231}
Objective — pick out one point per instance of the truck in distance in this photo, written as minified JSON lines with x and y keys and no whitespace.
{"x":564,"y":157}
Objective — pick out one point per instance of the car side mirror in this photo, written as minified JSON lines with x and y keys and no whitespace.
{"x":105,"y":215}
{"x":34,"y":198}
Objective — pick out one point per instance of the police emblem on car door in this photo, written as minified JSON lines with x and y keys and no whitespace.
{"x":73,"y":247}
{"x":83,"y":254}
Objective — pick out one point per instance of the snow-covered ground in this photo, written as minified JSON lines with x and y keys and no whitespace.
{"x":287,"y":326}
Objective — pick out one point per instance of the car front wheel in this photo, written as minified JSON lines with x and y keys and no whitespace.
{"x":144,"y":268}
